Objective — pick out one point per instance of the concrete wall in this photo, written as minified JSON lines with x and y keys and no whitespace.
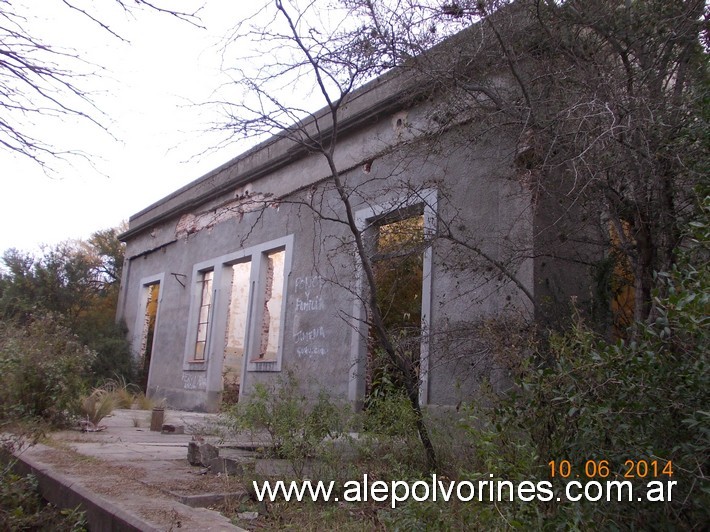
{"x":475,"y":196}
{"x":493,"y":265}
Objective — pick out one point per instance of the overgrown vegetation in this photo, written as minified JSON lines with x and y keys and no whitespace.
{"x":78,"y":284}
{"x":607,"y":102}
{"x":44,"y":368}
{"x":644,"y":398}
{"x":63,"y":360}
{"x":296,"y":427}
{"x":581,"y":398}
{"x":22,"y":508}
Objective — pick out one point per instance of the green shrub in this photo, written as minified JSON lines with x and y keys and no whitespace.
{"x":296,"y":427}
{"x":43,"y":370}
{"x":113,"y":352}
{"x":22,"y":508}
{"x":642,"y":399}
{"x":390,"y":415}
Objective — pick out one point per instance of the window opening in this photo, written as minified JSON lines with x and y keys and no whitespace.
{"x":398,"y":266}
{"x":272,"y":297}
{"x":204,"y":315}
{"x":623,"y":294}
{"x":236,"y":312}
{"x":152,"y":292}
{"x":235,"y":341}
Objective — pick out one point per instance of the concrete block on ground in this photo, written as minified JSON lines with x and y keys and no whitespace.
{"x":201,"y":454}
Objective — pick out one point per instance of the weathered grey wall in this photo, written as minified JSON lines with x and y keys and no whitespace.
{"x":482,"y":200}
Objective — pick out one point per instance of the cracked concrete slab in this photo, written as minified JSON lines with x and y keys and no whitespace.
{"x":129,"y":478}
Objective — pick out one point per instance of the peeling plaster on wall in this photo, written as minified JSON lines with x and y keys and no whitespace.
{"x":243,"y":203}
{"x":399,"y":123}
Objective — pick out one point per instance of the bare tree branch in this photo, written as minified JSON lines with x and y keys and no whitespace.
{"x":40,"y":80}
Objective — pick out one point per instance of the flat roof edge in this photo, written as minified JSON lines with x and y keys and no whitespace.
{"x":397,"y":98}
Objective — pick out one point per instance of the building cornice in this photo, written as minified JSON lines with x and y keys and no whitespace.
{"x":364,"y":106}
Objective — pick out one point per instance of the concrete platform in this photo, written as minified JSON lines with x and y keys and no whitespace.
{"x":129,"y":478}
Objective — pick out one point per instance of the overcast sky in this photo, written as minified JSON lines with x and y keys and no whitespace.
{"x":145,"y":94}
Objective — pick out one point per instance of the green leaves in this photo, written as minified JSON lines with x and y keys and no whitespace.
{"x":78,"y":283}
{"x":647,"y":398}
{"x":296,"y":426}
{"x":44,"y":370}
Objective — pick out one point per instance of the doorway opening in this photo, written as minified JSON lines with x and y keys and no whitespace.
{"x":234,"y":343}
{"x":398,"y":244}
{"x":152,"y":294}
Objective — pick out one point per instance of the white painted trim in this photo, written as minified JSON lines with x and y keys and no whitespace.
{"x":216,"y":330}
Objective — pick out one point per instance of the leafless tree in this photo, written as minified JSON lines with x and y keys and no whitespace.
{"x":39,"y":80}
{"x":336,"y":63}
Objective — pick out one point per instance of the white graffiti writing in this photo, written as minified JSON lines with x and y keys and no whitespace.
{"x":307,"y":336}
{"x":308,"y":283}
{"x":310,"y":350}
{"x":194,"y":381}
{"x":310,"y":305}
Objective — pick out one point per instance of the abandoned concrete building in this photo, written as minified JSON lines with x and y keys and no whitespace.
{"x":249,"y":273}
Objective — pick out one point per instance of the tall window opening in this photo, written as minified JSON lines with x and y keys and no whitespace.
{"x":399,"y":235}
{"x":398,"y":266}
{"x":205,"y":312}
{"x":237,"y":321}
{"x":152,"y":294}
{"x":623,"y":294}
{"x":272,"y":283}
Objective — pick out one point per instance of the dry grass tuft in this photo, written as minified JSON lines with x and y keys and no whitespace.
{"x":96,"y":406}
